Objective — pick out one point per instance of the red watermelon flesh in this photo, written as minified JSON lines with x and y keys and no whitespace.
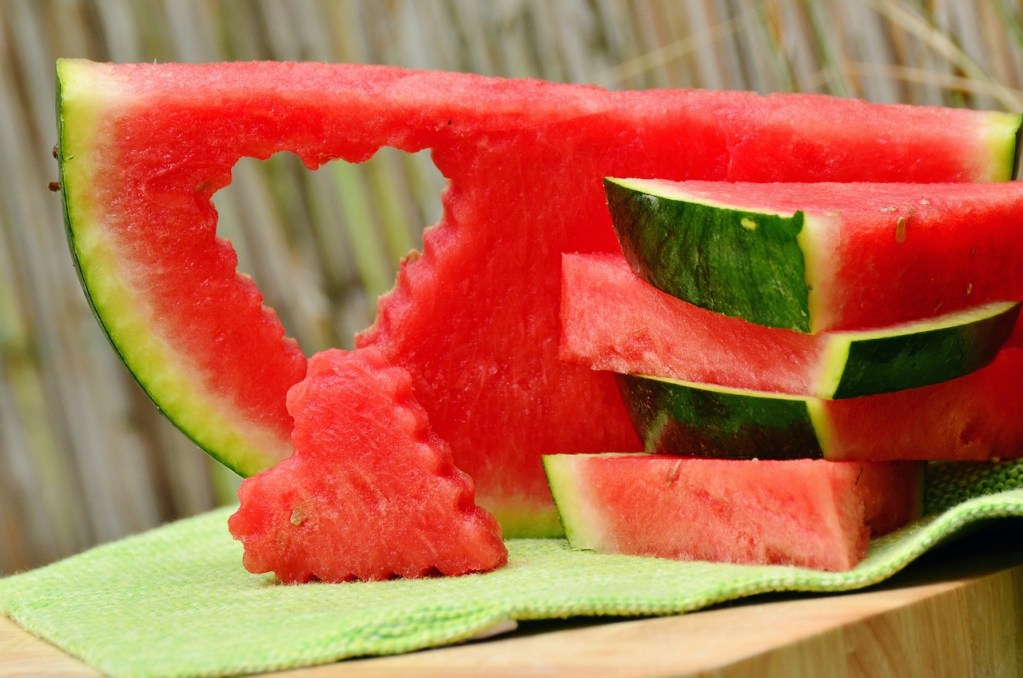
{"x":475,"y":318}
{"x":612,"y":320}
{"x":370,"y":493}
{"x":809,"y":513}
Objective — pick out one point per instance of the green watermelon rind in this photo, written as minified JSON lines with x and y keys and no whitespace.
{"x":721,"y":421}
{"x":684,"y":418}
{"x":676,"y":262}
{"x":914,"y":354}
{"x":579,"y":527}
{"x":124,"y":316}
{"x":1002,"y":126}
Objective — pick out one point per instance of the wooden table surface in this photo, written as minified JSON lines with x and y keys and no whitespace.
{"x":956,"y":612}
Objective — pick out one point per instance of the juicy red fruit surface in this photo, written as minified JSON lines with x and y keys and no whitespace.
{"x":475,"y":318}
{"x":808,"y":513}
{"x":370,"y":493}
{"x":614,"y":321}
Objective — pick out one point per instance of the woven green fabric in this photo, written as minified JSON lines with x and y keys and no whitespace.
{"x":176,"y":601}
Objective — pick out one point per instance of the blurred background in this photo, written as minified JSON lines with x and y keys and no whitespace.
{"x":84,"y":456}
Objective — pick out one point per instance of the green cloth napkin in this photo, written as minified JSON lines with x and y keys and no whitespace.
{"x":176,"y":600}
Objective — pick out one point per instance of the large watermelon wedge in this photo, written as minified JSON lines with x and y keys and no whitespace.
{"x":823,"y":256}
{"x":475,"y":318}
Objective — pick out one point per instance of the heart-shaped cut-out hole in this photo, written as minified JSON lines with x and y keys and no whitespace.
{"x":371,"y":492}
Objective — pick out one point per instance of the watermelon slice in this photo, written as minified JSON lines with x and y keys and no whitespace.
{"x":824,"y":256}
{"x":612,"y":320}
{"x":815,"y":514}
{"x":474,"y":319}
{"x":370,"y":493}
{"x":973,"y":418}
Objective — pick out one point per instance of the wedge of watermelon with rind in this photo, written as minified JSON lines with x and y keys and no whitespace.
{"x":371,"y":492}
{"x":806,"y":513}
{"x":474,"y":319}
{"x":972,"y":418}
{"x":823,"y":256}
{"x":612,"y":320}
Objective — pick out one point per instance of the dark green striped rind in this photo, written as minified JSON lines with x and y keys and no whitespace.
{"x":678,"y":418}
{"x":927,"y":354}
{"x":714,"y":258}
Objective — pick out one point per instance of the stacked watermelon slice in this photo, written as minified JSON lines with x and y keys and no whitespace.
{"x":780,"y":342}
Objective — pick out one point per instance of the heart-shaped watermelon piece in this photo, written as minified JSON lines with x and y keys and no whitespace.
{"x":371,"y":492}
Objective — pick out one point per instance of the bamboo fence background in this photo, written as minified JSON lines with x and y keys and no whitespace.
{"x":85,"y":458}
